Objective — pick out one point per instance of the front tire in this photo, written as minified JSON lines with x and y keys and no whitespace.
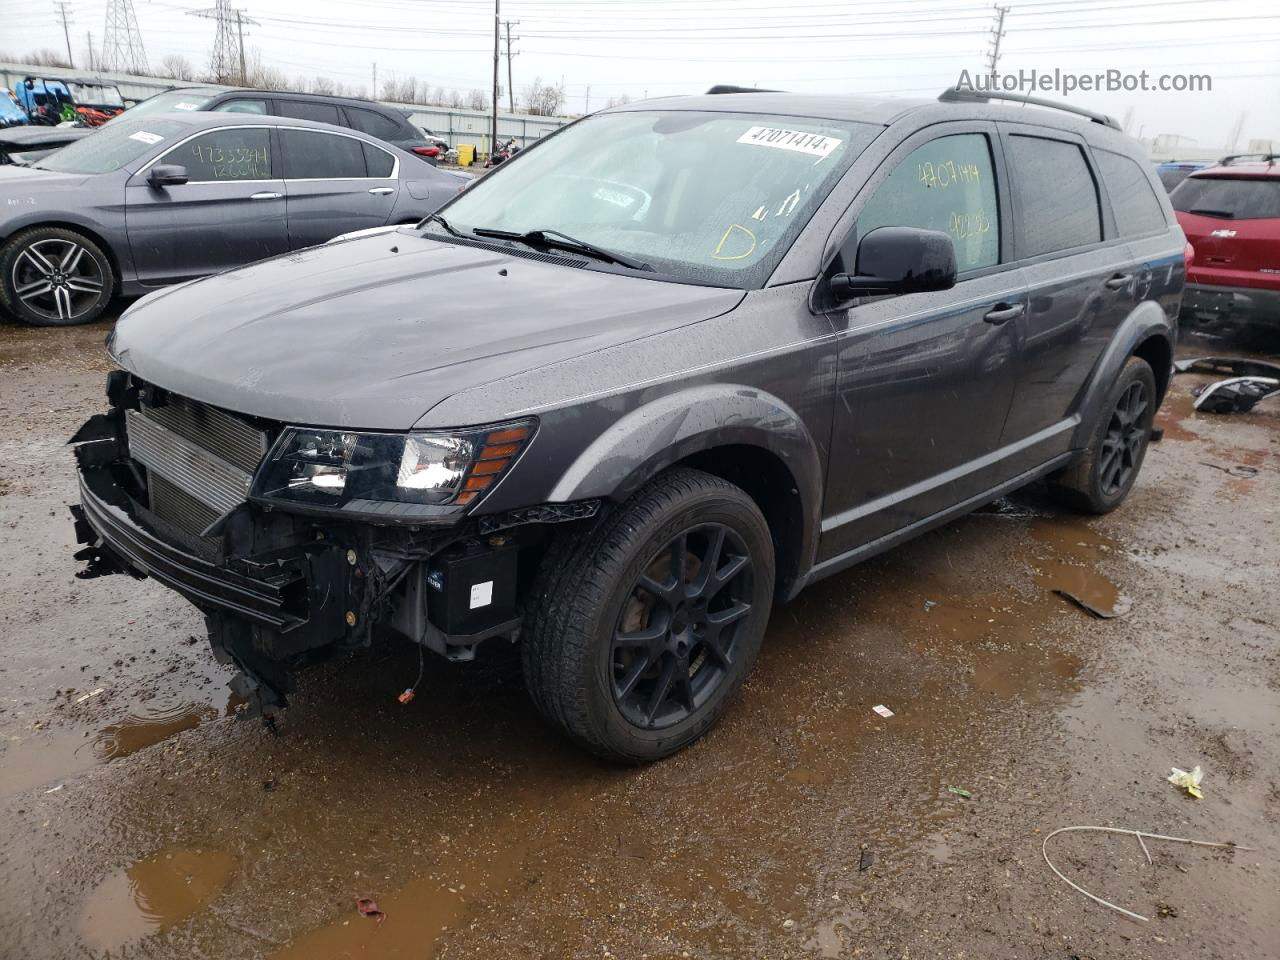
{"x":54,"y":277}
{"x":643,"y":629}
{"x":1102,"y":478}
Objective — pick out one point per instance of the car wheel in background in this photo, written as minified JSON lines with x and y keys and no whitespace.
{"x":643,"y":629}
{"x":1103,"y":477}
{"x":54,"y":277}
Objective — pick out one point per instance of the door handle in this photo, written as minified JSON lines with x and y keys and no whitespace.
{"x":1117,"y":281}
{"x":382,"y":191}
{"x":266,"y":195}
{"x":1003,"y":312}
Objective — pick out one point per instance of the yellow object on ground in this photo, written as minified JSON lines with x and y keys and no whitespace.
{"x":466,"y":154}
{"x":1189,"y":782}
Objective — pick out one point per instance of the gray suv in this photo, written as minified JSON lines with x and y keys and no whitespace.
{"x":668,"y":367}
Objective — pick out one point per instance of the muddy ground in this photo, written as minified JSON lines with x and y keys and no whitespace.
{"x":140,"y":818}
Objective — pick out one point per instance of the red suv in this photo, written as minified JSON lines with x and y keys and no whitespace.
{"x":1231,"y":215}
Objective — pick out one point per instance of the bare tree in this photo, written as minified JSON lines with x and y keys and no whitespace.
{"x":177,"y":66}
{"x":618,"y":101}
{"x":45,"y":58}
{"x":323,"y":85}
{"x":455,"y":100}
{"x":543,"y":99}
{"x":478,"y":100}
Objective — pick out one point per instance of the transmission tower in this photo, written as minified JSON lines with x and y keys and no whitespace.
{"x":121,"y":40}
{"x":227,"y":59}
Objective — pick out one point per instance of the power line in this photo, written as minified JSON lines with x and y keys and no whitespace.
{"x":993,"y":55}
{"x":228,"y":40}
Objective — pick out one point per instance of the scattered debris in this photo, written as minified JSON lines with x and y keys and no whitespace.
{"x":1044,"y":850}
{"x":865,"y":859}
{"x":55,"y":789}
{"x":930,"y":604}
{"x":788,"y":924}
{"x":1121,"y":607}
{"x":1189,"y":782}
{"x":91,"y":693}
{"x":368,"y":907}
{"x":1237,"y":366}
{"x":1166,"y":910}
{"x":1235,"y":470}
{"x":268,"y":785}
{"x":960,"y":792}
{"x":884,"y":711}
{"x":1235,"y":395}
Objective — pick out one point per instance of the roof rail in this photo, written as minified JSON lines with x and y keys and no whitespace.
{"x":730,"y":88}
{"x":1246,"y":157}
{"x":969,"y":95}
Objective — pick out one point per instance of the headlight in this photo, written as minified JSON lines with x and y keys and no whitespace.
{"x":334,"y":467}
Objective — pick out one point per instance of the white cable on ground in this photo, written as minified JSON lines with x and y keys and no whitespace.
{"x":1044,"y":850}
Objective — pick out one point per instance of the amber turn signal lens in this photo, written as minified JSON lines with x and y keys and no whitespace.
{"x":511,"y":435}
{"x":477,"y":483}
{"x":485,"y":467}
{"x":505,"y":450}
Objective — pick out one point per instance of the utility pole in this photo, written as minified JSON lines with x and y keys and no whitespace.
{"x":60,"y":6}
{"x":493,"y":132}
{"x":374,"y":96}
{"x":586,"y":106}
{"x":997,"y":34}
{"x":89,"y":38}
{"x":511,"y":91}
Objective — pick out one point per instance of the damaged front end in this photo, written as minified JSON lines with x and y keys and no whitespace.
{"x":299,"y":544}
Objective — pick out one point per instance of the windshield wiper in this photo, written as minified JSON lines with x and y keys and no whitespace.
{"x":1206,"y":212}
{"x":562,"y":241}
{"x":436,"y":218}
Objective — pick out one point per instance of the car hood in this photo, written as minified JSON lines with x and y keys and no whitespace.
{"x":371,"y":333}
{"x":15,"y":180}
{"x":35,"y":136}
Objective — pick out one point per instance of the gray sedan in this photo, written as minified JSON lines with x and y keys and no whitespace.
{"x":169,"y":197}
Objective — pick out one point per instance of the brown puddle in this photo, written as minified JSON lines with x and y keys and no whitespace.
{"x":140,"y":730}
{"x":1072,"y":564}
{"x":152,"y":895}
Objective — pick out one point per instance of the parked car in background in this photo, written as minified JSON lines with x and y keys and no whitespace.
{"x":1231,"y":214}
{"x":667,"y":367}
{"x":11,"y":112}
{"x":50,"y":100}
{"x":167,"y":197}
{"x":366,"y":116}
{"x":1173,"y":172}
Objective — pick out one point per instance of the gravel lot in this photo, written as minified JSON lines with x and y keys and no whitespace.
{"x":143,"y":819}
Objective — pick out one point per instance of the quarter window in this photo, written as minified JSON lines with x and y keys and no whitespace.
{"x":312,"y":155}
{"x":1058,"y":201}
{"x":379,"y":163}
{"x":308,"y":110}
{"x":1133,"y":201}
{"x":236,"y":154}
{"x":948,"y":185}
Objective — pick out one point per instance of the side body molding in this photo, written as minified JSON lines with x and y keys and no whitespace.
{"x":678,"y":425}
{"x":1147,"y":320}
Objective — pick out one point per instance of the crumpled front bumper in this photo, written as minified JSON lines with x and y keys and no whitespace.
{"x":113,"y":538}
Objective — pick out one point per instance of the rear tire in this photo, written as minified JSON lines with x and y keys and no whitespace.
{"x":632,"y":653}
{"x":55,"y":277}
{"x":1102,"y":478}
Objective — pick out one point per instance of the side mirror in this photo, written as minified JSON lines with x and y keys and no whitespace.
{"x":899,"y":260}
{"x":167,"y":175}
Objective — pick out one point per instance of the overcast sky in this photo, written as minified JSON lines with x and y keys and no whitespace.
{"x":659,"y":47}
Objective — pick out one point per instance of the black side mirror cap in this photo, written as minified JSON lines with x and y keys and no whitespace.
{"x":167,"y":175}
{"x":895,"y":260}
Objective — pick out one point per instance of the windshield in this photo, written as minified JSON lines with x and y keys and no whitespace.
{"x":111,"y":146}
{"x":1228,"y":198}
{"x":173,"y":101}
{"x":706,"y":197}
{"x":93,"y":93}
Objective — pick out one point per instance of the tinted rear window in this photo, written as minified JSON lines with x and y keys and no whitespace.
{"x":1132,"y":200}
{"x":314,"y":155}
{"x":306,"y":110}
{"x":1228,"y":198}
{"x":374,"y":124}
{"x":1058,"y":206}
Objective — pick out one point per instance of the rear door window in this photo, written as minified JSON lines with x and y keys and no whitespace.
{"x":948,"y":185}
{"x":1058,"y":206}
{"x":377,"y":162}
{"x":240,"y":153}
{"x":1228,"y":198}
{"x":372,"y":123}
{"x":314,"y":155}
{"x":1133,"y":201}
{"x":308,"y":110}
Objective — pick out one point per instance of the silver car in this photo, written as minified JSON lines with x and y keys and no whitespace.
{"x":170,"y":197}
